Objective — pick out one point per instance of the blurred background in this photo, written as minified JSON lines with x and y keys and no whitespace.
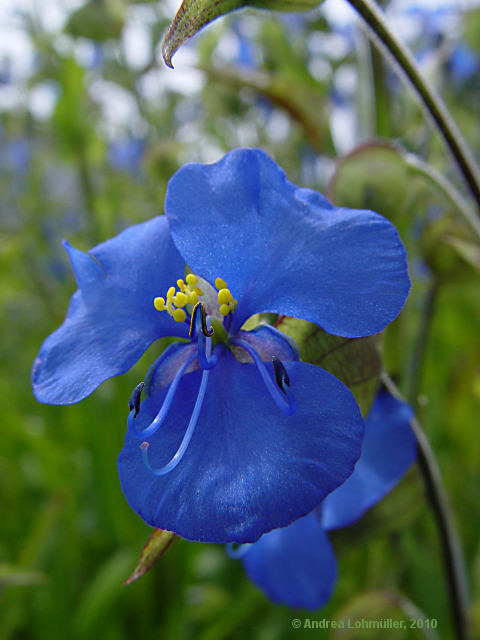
{"x":92,"y":127}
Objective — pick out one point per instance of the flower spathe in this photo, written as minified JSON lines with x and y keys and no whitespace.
{"x":235,"y":436}
{"x":296,"y":565}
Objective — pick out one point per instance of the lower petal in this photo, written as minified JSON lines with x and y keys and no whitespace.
{"x":249,"y":468}
{"x":295,"y":566}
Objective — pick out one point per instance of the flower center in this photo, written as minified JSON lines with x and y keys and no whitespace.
{"x":178,"y":303}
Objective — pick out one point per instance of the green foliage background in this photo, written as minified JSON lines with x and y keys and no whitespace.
{"x":68,"y":539}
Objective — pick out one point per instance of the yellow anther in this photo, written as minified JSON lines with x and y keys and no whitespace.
{"x":193,"y":298}
{"x":224,"y":309}
{"x":198,"y":291}
{"x":181,"y":285}
{"x":220,"y":284}
{"x":191,"y":279}
{"x":179,"y":315}
{"x":170,"y":293}
{"x":224,"y":296}
{"x":159,"y":304}
{"x":180,"y":299}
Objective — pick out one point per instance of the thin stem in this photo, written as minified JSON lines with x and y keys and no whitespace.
{"x":450,"y":541}
{"x":416,"y":365}
{"x":382,"y":35}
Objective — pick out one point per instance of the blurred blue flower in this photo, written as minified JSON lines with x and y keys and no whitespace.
{"x":126,"y":154}
{"x":5,"y":71}
{"x":257,"y":460}
{"x":15,"y":156}
{"x":296,"y":565}
{"x":463,"y":63}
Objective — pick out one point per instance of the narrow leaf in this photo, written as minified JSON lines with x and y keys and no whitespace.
{"x":155,"y":548}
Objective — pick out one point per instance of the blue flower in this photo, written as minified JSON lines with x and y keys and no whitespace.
{"x":236,"y":436}
{"x":464,"y":63}
{"x":296,"y":565}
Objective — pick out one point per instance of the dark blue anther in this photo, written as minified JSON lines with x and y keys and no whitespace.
{"x":281,"y":375}
{"x":207,"y":333}
{"x":134,"y":402}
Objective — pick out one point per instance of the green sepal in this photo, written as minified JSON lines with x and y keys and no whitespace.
{"x":155,"y":547}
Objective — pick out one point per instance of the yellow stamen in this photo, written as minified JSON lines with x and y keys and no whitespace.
{"x":224,"y":296}
{"x":159,"y":304}
{"x":181,"y":299}
{"x":220,"y":284}
{"x":189,"y":293}
{"x":179,"y":315}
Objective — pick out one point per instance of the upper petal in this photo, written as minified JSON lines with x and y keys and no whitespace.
{"x":388,"y":450}
{"x":111,"y":319}
{"x":249,"y":468}
{"x":295,"y":566}
{"x":286,"y":250}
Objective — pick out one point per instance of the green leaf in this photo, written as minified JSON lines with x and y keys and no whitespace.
{"x":193,"y":15}
{"x":373,"y":176}
{"x":13,"y":576}
{"x":155,"y":548}
{"x":97,"y":20}
{"x":469,"y":251}
{"x":100,"y":597}
{"x":354,"y":361}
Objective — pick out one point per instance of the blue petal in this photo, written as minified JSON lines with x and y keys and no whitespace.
{"x":249,"y":468}
{"x":284,"y":249}
{"x":388,"y":450}
{"x":111,"y":320}
{"x":295,"y":566}
{"x":163,"y":370}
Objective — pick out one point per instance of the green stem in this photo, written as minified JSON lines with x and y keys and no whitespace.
{"x":446,"y":187}
{"x":451,"y":547}
{"x":416,"y":365}
{"x":435,"y":106}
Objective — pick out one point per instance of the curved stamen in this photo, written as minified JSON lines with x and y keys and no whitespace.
{"x":281,"y":375}
{"x":134,"y":402}
{"x":207,"y":333}
{"x":204,"y":341}
{"x":164,"y":409}
{"x":186,"y":438}
{"x":237,"y":551}
{"x":283,"y":399}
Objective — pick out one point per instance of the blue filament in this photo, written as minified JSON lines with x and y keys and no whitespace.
{"x":282,"y":397}
{"x":204,"y":343}
{"x":167,"y":403}
{"x":188,"y":433}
